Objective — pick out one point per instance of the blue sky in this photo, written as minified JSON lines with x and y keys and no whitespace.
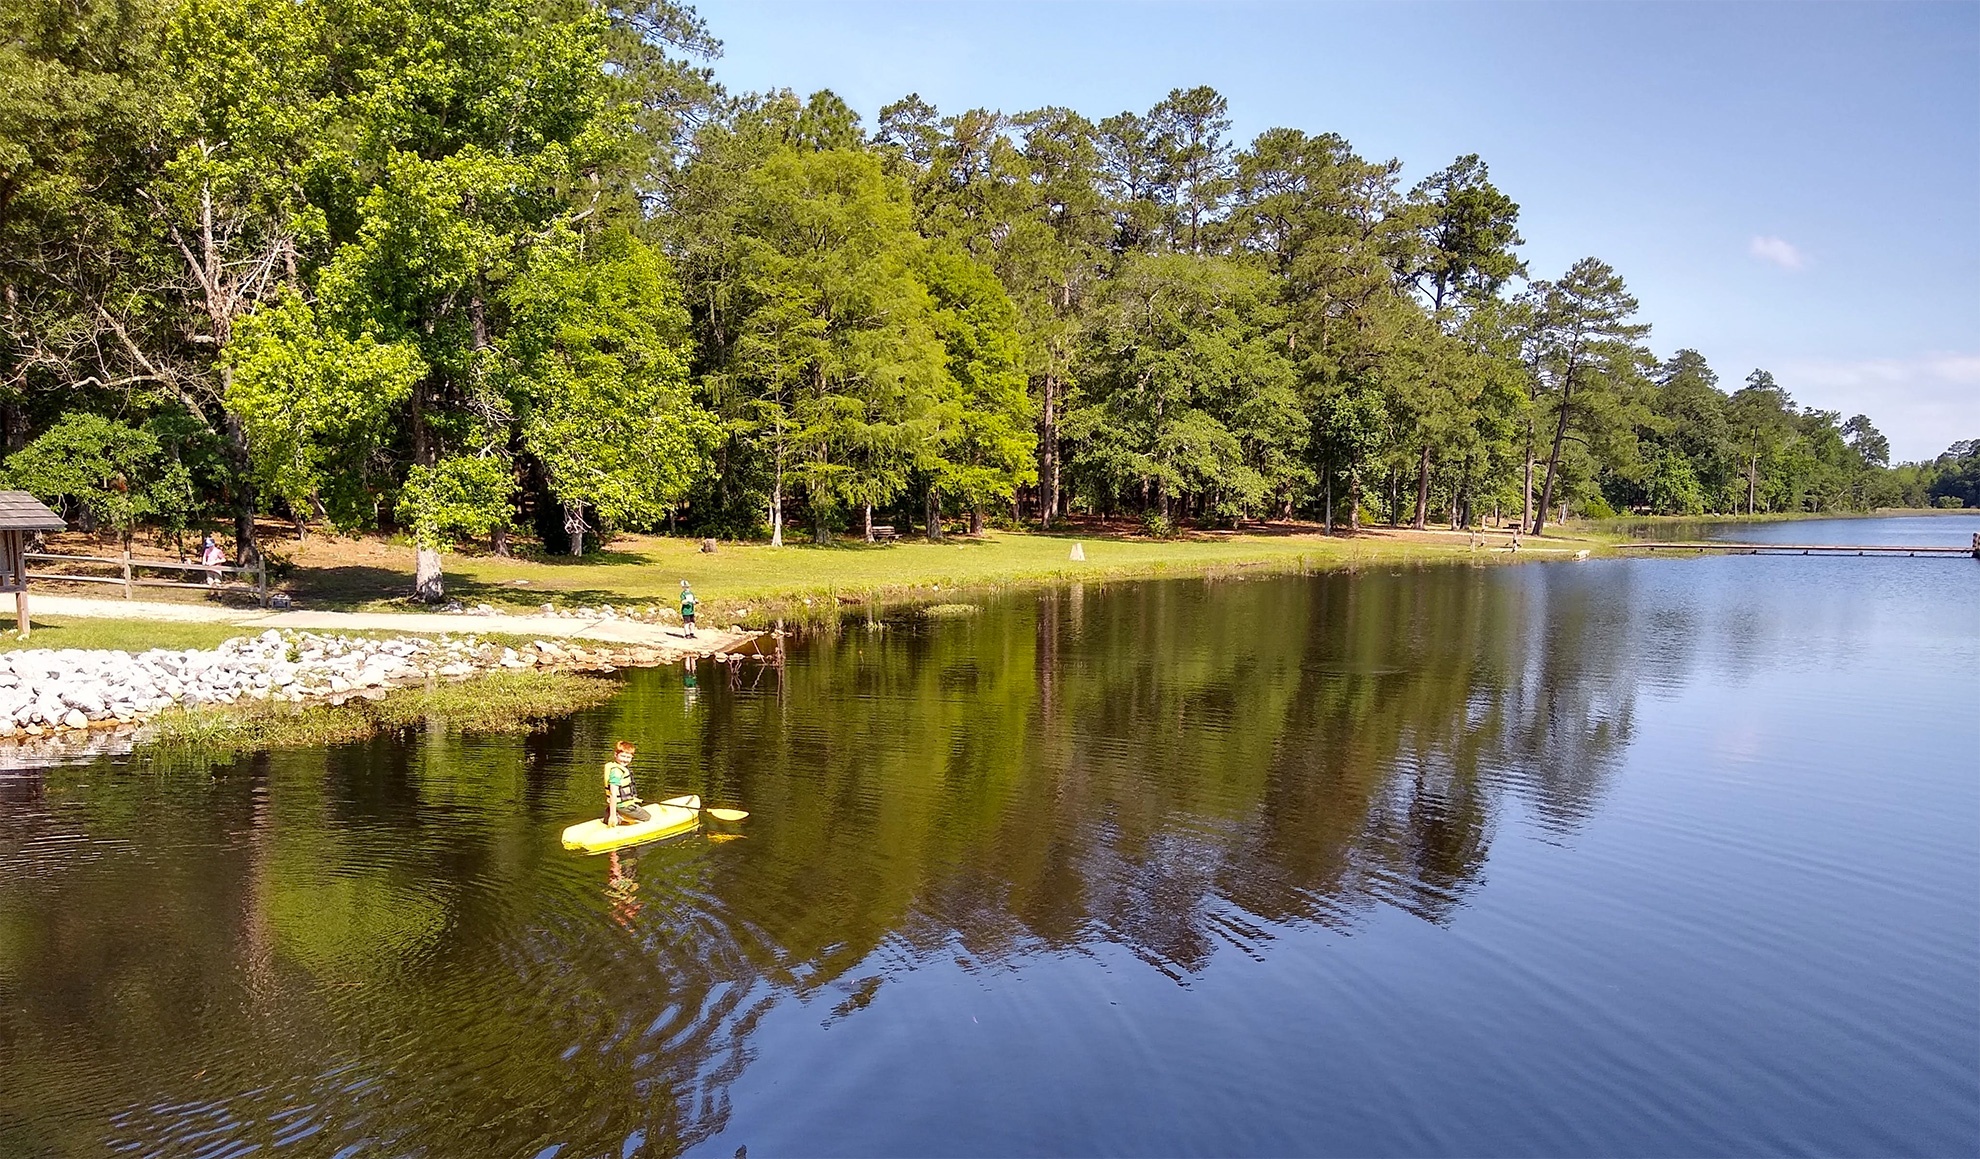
{"x":1794,"y":186}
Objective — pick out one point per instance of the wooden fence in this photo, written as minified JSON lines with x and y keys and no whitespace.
{"x":254,"y":579}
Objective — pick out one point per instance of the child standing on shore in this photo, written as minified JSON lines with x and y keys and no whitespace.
{"x":688,"y":603}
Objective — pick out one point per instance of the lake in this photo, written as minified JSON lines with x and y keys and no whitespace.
{"x":1669,"y":856}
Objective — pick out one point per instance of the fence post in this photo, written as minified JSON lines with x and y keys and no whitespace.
{"x":261,"y":579}
{"x":127,"y":573}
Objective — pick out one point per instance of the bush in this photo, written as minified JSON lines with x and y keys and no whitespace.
{"x":106,"y":472}
{"x":1598,"y":508}
{"x":1156,"y":525}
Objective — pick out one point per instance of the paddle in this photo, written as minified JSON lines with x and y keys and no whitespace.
{"x":726,"y":814}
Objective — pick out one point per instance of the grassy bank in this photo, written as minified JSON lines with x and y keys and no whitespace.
{"x":128,"y":635}
{"x":753,"y":583}
{"x":57,"y":632}
{"x":491,"y":702}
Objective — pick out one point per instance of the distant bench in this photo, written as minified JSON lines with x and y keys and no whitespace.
{"x":884,"y":533}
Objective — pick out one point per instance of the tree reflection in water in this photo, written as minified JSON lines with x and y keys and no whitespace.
{"x":384,"y":941}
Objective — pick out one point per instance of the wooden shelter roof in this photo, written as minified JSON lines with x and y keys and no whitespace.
{"x":20,"y":511}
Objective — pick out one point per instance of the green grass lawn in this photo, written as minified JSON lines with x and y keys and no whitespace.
{"x":129,"y":635}
{"x":57,"y":632}
{"x":644,"y":570}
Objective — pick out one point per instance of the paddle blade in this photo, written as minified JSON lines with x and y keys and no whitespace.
{"x":727,"y":814}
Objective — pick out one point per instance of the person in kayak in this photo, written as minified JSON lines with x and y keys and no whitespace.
{"x":621,"y":795}
{"x":688,"y":605}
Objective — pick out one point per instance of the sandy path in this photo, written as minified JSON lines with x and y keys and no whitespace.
{"x":612,"y":631}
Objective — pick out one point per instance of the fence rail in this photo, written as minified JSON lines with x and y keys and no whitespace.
{"x":253,"y":579}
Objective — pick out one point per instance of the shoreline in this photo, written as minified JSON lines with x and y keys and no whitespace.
{"x":278,"y":690}
{"x":814,"y":603}
{"x":482,"y":650}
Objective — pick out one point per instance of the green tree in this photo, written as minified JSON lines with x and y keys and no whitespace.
{"x":315,"y":407}
{"x":1587,"y":355}
{"x":596,"y":361}
{"x":459,"y":496}
{"x":1760,"y":417}
{"x":1189,"y":129}
{"x":76,"y":110}
{"x":990,"y":451}
{"x":1194,"y":398}
{"x":1469,"y":232}
{"x":106,"y":472}
{"x":835,"y":340}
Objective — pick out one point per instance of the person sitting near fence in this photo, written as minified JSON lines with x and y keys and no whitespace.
{"x":211,"y":555}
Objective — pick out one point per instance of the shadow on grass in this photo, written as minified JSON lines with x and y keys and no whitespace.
{"x":606,"y":558}
{"x":355,"y":588}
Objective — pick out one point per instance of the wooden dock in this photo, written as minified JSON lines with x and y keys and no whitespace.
{"x":1729,"y":548}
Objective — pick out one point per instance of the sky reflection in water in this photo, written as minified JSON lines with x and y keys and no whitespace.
{"x":1622,"y":857}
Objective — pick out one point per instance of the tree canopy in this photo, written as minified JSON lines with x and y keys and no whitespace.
{"x":467,"y":270}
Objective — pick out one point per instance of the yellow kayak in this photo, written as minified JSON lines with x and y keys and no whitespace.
{"x":664,"y":819}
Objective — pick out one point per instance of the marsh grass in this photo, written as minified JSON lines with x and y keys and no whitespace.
{"x":497,"y":702}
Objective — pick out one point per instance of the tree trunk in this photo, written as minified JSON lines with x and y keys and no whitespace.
{"x":14,"y":422}
{"x":1554,"y":458}
{"x":1048,"y":453}
{"x":1354,"y":500}
{"x":1423,"y":489}
{"x":1328,"y":471}
{"x":777,"y":506}
{"x":247,"y":548}
{"x":821,"y":524}
{"x":934,"y":514}
{"x":1752,"y":477}
{"x":426,"y":575}
{"x":574,"y":526}
{"x":1526,"y":504}
{"x":498,"y":542}
{"x":976,"y":521}
{"x":868,"y":508}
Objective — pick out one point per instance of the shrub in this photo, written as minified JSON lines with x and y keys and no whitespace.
{"x":105,"y":471}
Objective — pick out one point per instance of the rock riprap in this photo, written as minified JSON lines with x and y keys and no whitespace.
{"x":44,"y":691}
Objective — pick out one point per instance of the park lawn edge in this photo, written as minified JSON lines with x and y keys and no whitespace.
{"x":824,"y":603}
{"x":799,"y":602}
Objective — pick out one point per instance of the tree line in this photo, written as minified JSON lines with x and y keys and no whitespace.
{"x":466,"y":270}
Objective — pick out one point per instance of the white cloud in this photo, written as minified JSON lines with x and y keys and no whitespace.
{"x":1779,"y":251}
{"x":1923,"y":403}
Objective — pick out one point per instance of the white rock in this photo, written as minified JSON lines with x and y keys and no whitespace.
{"x":75,"y":719}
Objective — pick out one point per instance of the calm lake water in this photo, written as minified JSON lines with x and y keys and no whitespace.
{"x":1623,"y":857}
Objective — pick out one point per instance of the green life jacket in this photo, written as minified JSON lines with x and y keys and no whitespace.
{"x":687,"y":604}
